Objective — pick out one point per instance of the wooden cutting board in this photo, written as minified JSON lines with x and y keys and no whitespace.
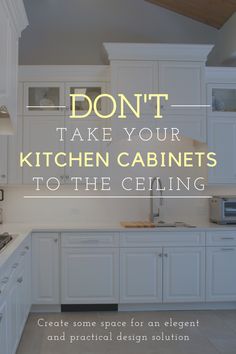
{"x":137,"y":224}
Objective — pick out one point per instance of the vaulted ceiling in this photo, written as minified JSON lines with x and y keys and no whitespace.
{"x":211,"y":12}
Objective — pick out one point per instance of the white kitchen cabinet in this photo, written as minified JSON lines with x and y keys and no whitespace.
{"x":222,"y":141}
{"x":40,"y":135}
{"x":135,"y":77}
{"x":14,"y":148}
{"x":91,"y":89}
{"x":220,"y":273}
{"x":183,"y":274}
{"x":222,"y":99}
{"x":76,"y":147}
{"x":185,"y":84}
{"x":45,"y":268}
{"x":44,"y":98}
{"x":3,"y":328}
{"x":12,"y":22}
{"x":141,"y":275}
{"x":3,"y":160}
{"x":90,"y":275}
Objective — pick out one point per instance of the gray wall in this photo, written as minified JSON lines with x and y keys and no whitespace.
{"x":72,"y":31}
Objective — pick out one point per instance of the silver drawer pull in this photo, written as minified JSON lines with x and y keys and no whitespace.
{"x":89,"y":241}
{"x":227,"y":238}
{"x":15,"y":265}
{"x":227,"y":249}
{"x":20,"y":280}
{"x":27,"y":247}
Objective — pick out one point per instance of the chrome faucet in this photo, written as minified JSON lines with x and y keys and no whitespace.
{"x":153,"y":215}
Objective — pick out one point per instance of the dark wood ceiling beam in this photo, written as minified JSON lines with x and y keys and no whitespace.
{"x":211,"y":12}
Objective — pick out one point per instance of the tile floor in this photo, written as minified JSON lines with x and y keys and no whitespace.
{"x":216,"y":333}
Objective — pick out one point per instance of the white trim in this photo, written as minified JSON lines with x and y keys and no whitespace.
{"x":152,"y":51}
{"x":64,"y":73}
{"x":16,"y":11}
{"x":220,"y":75}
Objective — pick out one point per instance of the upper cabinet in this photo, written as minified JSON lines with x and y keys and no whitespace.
{"x":221,"y":119}
{"x":12,"y":22}
{"x":176,"y":70}
{"x":43,"y":98}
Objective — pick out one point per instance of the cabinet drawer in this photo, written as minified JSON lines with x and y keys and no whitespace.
{"x":220,"y":238}
{"x":153,"y":239}
{"x":90,"y":239}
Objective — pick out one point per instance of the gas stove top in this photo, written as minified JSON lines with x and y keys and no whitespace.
{"x":5,"y":238}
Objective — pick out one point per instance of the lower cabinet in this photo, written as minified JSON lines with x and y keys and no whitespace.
{"x":3,"y":328}
{"x":15,"y":301}
{"x":140,"y":275}
{"x":156,"y":275}
{"x":45,"y":268}
{"x":184,"y":274}
{"x":220,"y":274}
{"x":90,"y":275}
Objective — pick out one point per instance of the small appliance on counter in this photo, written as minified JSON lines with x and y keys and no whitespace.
{"x":223,"y":209}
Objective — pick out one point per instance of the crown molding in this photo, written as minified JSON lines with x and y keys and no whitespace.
{"x":152,"y":51}
{"x":220,"y":75}
{"x":16,"y":11}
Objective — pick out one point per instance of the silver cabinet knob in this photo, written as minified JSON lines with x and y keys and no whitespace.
{"x":160,"y":255}
{"x":3,"y":176}
{"x":55,"y":240}
{"x":165,"y":254}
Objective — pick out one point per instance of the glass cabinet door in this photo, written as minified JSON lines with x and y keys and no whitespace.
{"x":44,"y":98}
{"x":92,"y":90}
{"x":222,"y":99}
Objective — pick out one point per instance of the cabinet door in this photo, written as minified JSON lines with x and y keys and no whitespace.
{"x":45,"y":268}
{"x":40,"y":135}
{"x":135,"y":77}
{"x":12,"y":304}
{"x":44,"y":98}
{"x":140,"y":275}
{"x":3,"y":160}
{"x":14,"y":148}
{"x":90,"y":276}
{"x":184,"y":82}
{"x":222,"y":99}
{"x":90,"y":89}
{"x":184,"y":274}
{"x":3,"y":329}
{"x":222,"y":141}
{"x":8,"y":64}
{"x":220,"y":274}
{"x":77,"y":147}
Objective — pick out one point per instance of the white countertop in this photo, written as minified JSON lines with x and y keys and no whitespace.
{"x":23,"y":230}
